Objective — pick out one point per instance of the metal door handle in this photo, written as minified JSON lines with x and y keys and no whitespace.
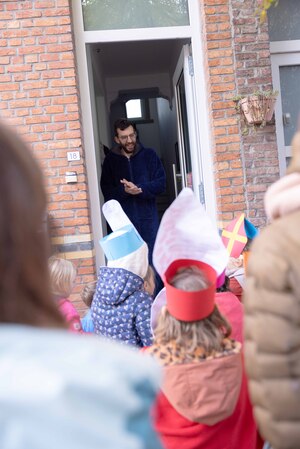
{"x":286,"y":118}
{"x":175,"y":179}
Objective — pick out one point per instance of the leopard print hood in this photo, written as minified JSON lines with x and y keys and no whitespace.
{"x":204,"y":387}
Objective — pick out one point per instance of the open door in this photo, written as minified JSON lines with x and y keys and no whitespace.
{"x":187,"y":172}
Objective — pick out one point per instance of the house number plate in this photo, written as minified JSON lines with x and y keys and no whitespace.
{"x":73,"y":155}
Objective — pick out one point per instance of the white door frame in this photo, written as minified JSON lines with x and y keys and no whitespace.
{"x":185,"y":66}
{"x":202,"y":128}
{"x":283,"y":53}
{"x":176,"y":76}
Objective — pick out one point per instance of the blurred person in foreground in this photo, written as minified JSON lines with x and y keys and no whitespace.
{"x":272,"y":306}
{"x":58,"y":389}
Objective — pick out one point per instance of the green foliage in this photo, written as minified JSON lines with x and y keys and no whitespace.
{"x":263,"y":6}
{"x":266,"y":93}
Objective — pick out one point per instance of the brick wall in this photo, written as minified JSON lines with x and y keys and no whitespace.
{"x":253,"y":71}
{"x":39,"y":94}
{"x":238,"y":62}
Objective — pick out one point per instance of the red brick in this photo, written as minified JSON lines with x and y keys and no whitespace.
{"x":54,"y":109}
{"x":4,"y":60}
{"x":63,"y":83}
{"x":9,"y":87}
{"x":68,"y":135}
{"x":57,"y":12}
{"x":58,"y":30}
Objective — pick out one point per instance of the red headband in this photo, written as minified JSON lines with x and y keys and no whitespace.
{"x":195,"y":305}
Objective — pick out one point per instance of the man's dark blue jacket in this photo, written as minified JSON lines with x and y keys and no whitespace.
{"x":145,"y":170}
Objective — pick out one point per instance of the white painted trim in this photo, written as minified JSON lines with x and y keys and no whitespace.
{"x":288,"y":151}
{"x":201,"y":113}
{"x":89,"y":147}
{"x":287,"y":59}
{"x":175,"y":80}
{"x":278,"y":115}
{"x":137,"y":34}
{"x":192,"y":120}
{"x":285,"y":47}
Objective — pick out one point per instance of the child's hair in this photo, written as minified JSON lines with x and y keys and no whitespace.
{"x":247,"y":247}
{"x":149,"y":281}
{"x":88,"y":292}
{"x":24,"y":279}
{"x":150,"y":275}
{"x":207,"y":333}
{"x":62,"y":276}
{"x":189,"y":279}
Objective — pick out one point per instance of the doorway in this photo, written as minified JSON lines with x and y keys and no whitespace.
{"x":153,"y":72}
{"x":114,"y":60}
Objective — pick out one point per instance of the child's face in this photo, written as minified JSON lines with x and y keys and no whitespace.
{"x":149,"y":286}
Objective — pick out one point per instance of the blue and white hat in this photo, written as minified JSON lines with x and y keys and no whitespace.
{"x":124,"y":247}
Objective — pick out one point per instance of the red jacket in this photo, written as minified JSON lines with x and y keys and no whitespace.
{"x":233,"y":310}
{"x":236,"y":288}
{"x":206,"y":405}
{"x":177,"y":432}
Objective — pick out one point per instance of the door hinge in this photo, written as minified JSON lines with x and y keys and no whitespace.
{"x":191,"y":65}
{"x":201,"y":193}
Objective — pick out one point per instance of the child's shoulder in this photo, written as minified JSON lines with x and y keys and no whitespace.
{"x":66,"y":306}
{"x":142,"y":297}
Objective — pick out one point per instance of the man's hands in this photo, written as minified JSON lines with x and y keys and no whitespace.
{"x":130,"y":188}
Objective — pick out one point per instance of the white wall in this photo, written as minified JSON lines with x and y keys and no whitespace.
{"x":149,"y":133}
{"x":115,"y":84}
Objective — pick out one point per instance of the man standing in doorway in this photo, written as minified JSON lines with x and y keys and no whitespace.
{"x":134,"y":176}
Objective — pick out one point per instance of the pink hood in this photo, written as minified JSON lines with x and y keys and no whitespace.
{"x":205,"y":392}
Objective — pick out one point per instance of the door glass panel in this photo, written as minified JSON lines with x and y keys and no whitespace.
{"x":125,"y":14}
{"x":186,"y":165}
{"x":290,"y":95}
{"x":284,"y":21}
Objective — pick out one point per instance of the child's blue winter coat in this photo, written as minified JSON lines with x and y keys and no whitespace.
{"x":121,"y":308}
{"x":87,"y":322}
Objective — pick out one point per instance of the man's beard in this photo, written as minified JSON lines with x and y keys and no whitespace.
{"x":128,"y":151}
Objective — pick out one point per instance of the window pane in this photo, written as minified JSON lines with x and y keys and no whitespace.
{"x":133,"y":109}
{"x":124,"y":14}
{"x":289,"y":86}
{"x":284,"y":21}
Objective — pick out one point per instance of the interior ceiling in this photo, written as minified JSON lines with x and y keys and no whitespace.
{"x":136,"y":58}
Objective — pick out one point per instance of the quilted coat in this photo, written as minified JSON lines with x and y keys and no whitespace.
{"x":121,"y":308}
{"x":272,"y":321}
